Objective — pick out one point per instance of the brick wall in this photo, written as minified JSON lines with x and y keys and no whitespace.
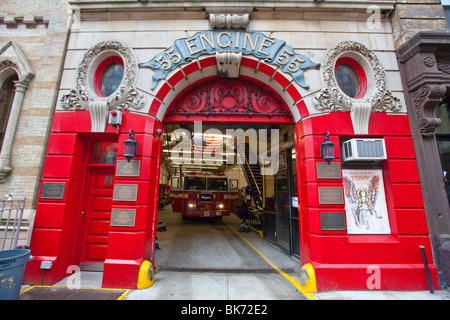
{"x":413,"y":16}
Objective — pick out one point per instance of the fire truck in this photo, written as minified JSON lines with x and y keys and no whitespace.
{"x":204,"y":195}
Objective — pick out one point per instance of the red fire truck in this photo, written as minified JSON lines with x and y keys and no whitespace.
{"x":204,"y":195}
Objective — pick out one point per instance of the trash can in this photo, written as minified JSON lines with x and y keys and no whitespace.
{"x":12,"y":269}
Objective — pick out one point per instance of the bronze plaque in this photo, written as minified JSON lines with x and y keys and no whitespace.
{"x":331,"y":195}
{"x":53,"y":190}
{"x":125,"y":192}
{"x":123,"y":217}
{"x":128,"y":169}
{"x":328,"y":171}
{"x":332,"y":221}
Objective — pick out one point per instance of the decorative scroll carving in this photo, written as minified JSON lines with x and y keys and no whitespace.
{"x":331,"y":98}
{"x":228,"y":21}
{"x":124,"y":98}
{"x":426,"y":99}
{"x":229,"y":97}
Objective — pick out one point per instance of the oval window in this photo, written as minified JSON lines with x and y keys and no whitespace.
{"x":108,"y":76}
{"x":350,"y":77}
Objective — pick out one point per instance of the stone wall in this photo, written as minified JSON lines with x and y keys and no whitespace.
{"x":412,"y":16}
{"x":40,"y":29}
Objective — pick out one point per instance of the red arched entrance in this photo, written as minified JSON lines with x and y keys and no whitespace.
{"x":228,"y":100}
{"x":243,"y":111}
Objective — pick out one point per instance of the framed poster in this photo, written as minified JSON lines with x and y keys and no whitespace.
{"x":365,"y":201}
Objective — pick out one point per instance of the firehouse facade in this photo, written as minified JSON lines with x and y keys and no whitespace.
{"x":135,"y":74}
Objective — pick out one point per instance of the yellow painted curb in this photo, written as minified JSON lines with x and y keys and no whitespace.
{"x":146,"y":275}
{"x":308,"y":278}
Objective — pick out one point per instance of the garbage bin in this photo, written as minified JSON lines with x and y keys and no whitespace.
{"x":12,"y":268}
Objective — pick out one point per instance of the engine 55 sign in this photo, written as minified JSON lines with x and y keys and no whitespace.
{"x":274,"y":51}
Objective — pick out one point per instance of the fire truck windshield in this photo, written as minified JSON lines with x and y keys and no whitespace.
{"x":194,"y":183}
{"x":217,"y":184}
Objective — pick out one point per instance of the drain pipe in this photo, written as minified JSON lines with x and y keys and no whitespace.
{"x":424,"y":257}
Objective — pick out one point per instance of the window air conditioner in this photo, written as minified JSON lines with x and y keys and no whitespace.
{"x":363,"y":150}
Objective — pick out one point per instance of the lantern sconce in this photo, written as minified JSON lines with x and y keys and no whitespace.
{"x":327,"y":148}
{"x":130,"y":146}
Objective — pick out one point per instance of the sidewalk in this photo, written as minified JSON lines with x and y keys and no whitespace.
{"x":233,"y":266}
{"x":170,"y":285}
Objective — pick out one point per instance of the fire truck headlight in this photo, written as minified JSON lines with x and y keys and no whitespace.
{"x":220,"y":206}
{"x":192,"y":205}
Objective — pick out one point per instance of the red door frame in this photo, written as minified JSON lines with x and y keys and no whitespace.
{"x":89,"y":140}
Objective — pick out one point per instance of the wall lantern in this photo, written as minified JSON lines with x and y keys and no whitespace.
{"x":130,"y":146}
{"x":327,"y":148}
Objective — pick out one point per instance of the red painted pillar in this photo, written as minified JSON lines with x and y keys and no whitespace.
{"x":129,"y":244}
{"x":56,"y":221}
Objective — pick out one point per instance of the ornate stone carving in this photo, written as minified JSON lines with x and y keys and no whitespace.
{"x":331,"y":98}
{"x":426,"y":99}
{"x":428,"y":61}
{"x":228,"y":21}
{"x":444,"y":65}
{"x":124,"y":98}
{"x":228,"y":64}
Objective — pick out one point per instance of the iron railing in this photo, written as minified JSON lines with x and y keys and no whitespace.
{"x":11,"y":213}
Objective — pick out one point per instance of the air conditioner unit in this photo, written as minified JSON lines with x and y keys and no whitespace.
{"x":363,"y":150}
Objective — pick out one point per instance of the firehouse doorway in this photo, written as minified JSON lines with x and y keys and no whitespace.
{"x":224,"y":159}
{"x":95,"y":216}
{"x":254,"y":183}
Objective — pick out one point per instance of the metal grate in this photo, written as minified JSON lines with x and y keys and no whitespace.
{"x":11,"y":212}
{"x":370,"y":148}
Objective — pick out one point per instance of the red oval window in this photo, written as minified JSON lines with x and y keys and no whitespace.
{"x":108,"y":76}
{"x":350,"y":77}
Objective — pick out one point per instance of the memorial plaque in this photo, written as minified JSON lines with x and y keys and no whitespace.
{"x":332,"y":221}
{"x":53,"y":190}
{"x":128,"y":169}
{"x":125,"y":192}
{"x":123,"y":217}
{"x":328,"y":171}
{"x":331,"y":195}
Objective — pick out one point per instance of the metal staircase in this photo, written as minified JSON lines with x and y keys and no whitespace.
{"x":252,"y":172}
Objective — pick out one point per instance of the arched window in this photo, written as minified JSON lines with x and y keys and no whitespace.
{"x":7,"y":93}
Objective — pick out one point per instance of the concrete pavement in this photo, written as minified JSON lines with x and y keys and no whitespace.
{"x":204,"y":259}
